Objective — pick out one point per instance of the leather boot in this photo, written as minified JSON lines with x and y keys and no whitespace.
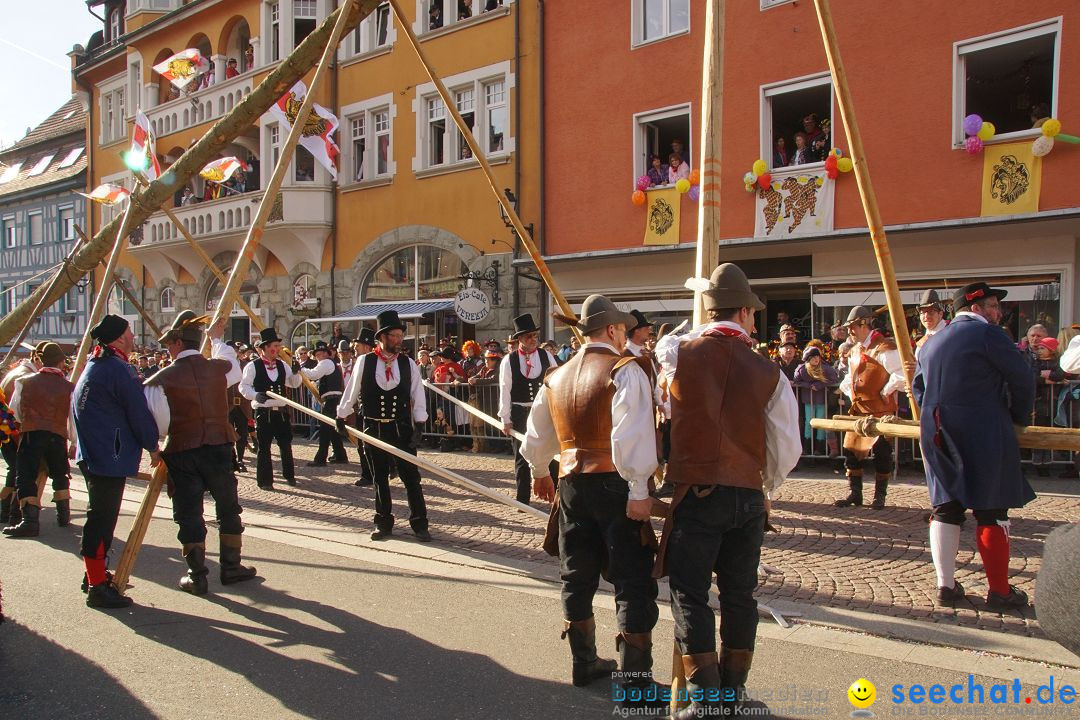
{"x":7,"y":497}
{"x":881,"y":489}
{"x":855,"y":496}
{"x":29,"y":525}
{"x":587,"y":667}
{"x":702,"y":682}
{"x":734,"y":669}
{"x":231,"y":569}
{"x":62,"y":498}
{"x":195,"y":580}
{"x":106,"y":596}
{"x":635,"y":667}
{"x":16,"y":511}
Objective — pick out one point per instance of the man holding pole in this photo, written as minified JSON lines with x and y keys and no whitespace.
{"x":327,"y":372}
{"x":114,"y":426}
{"x":260,"y":376}
{"x":596,"y":411}
{"x":392,"y":402}
{"x":189,"y":401}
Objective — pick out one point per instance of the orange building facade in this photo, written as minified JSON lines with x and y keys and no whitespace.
{"x":916,"y":70}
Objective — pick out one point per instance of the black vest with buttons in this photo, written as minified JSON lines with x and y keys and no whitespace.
{"x":331,"y":383}
{"x":380,"y":404}
{"x":262,"y":381}
{"x":523,"y":389}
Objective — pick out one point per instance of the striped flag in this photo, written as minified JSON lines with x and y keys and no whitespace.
{"x":222,"y":169}
{"x":108,"y":194}
{"x":183,"y":67}
{"x":318,"y":130}
{"x":142,"y":145}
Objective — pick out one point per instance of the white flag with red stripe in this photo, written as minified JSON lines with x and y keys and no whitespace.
{"x":143,"y":145}
{"x":222,"y":169}
{"x":317,"y":134}
{"x":183,"y":67}
{"x":108,"y":194}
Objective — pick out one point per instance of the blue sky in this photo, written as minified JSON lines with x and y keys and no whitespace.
{"x":35,"y":38}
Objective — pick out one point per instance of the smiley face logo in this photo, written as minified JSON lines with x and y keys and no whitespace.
{"x":862,"y":694}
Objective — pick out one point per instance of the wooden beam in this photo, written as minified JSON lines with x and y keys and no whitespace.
{"x":1032,"y":436}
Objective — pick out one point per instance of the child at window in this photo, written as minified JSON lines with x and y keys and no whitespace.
{"x":677,"y":169}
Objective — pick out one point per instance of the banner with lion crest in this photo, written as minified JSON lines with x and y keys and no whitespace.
{"x":795,"y":203}
{"x":318,"y":133}
{"x":662,"y":218}
{"x":1012,"y":179}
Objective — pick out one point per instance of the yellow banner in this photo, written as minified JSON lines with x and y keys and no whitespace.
{"x":662,"y":218}
{"x":1012,"y":178}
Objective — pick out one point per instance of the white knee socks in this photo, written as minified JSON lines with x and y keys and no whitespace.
{"x":944,"y":545}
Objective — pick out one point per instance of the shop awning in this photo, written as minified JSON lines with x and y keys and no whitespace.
{"x":405,"y":310}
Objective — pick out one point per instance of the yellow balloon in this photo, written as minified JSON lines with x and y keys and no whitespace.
{"x":683,"y":185}
{"x":844,"y":164}
{"x":1051,"y":127}
{"x":760,"y":168}
{"x":986,"y":131}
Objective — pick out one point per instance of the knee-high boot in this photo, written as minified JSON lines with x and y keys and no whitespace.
{"x":881,"y":489}
{"x":231,"y":569}
{"x":703,"y":682}
{"x":587,"y":666}
{"x":195,"y":580}
{"x":855,"y":496}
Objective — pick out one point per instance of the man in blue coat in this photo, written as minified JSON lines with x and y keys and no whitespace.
{"x":973,"y":386}
{"x":114,"y":425}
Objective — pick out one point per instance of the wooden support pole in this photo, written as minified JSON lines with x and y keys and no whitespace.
{"x":869,"y":198}
{"x":137,"y":534}
{"x":127,"y":293}
{"x":1032,"y":436}
{"x":481,"y":158}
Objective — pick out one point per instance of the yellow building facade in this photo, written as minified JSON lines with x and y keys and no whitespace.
{"x":408,"y":221}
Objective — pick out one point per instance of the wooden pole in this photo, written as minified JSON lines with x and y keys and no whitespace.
{"x":1033,"y":436}
{"x":869,"y":198}
{"x":481,"y":158}
{"x":137,"y":534}
{"x":712,"y":110}
{"x":471,"y":410}
{"x":127,"y":293}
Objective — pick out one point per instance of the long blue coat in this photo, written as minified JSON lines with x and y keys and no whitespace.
{"x":972,"y":386}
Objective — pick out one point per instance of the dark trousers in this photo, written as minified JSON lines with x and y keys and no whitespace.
{"x":952,"y":513}
{"x":883,"y":457}
{"x":193,"y":473}
{"x":39,"y":446}
{"x":102,"y":510}
{"x":328,"y":434}
{"x":272,"y":424}
{"x":10,"y":452}
{"x":361,"y":449}
{"x":519,"y":418}
{"x":715,"y":529}
{"x":240,"y":425}
{"x":594,"y":530}
{"x":400,"y":436}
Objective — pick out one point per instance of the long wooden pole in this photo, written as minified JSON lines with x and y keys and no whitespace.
{"x":481,"y":158}
{"x":869,"y":198}
{"x":471,"y":410}
{"x":1032,"y":436}
{"x":127,"y":293}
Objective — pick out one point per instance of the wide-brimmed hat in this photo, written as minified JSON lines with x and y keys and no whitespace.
{"x":523,"y":325}
{"x":930,"y":299}
{"x":321,"y":346}
{"x":640,"y":321}
{"x":388,"y":320}
{"x":267,"y":336}
{"x":187,"y":326}
{"x":51,"y":354}
{"x":366,"y":337}
{"x":858,"y":313}
{"x":729,"y":288}
{"x":971,"y":292}
{"x":598,"y":312}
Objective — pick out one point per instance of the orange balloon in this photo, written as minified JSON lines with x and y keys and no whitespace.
{"x":638,"y":197}
{"x":695,"y":177}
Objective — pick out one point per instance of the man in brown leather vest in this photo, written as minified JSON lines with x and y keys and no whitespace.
{"x":596,"y":411}
{"x":734,"y":438}
{"x":189,"y":402}
{"x":875,"y":373}
{"x":41,"y":402}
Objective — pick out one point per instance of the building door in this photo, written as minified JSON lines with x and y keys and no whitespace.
{"x":240,"y":330}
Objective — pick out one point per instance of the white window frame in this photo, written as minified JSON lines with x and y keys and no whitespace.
{"x":70,"y":301}
{"x":66,"y":231}
{"x":274,"y":39}
{"x":640,"y":162}
{"x":30,"y":227}
{"x":111,"y":98}
{"x":450,"y":19}
{"x":637,"y":22}
{"x":369,"y":109}
{"x":71,"y":158}
{"x":476,"y":79}
{"x":171,"y":307}
{"x":985,"y":42}
{"x":135,"y":83}
{"x":116,"y":24}
{"x":11,"y":172}
{"x":41,"y":165}
{"x":771,"y":90}
{"x":363,"y":39}
{"x":768,"y":4}
{"x":11,"y":232}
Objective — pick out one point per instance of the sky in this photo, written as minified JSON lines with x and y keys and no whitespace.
{"x":35,"y":38}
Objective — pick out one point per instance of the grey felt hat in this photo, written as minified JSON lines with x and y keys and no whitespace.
{"x":598,"y":312}
{"x":729,"y":288}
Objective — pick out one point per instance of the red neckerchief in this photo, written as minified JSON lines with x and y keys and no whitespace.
{"x":52,"y":370}
{"x":525,"y":359}
{"x":388,"y":361}
{"x":270,"y":364}
{"x":103,"y":350}
{"x":721,"y":331}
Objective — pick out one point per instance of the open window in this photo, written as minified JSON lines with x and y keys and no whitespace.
{"x":797,"y":122}
{"x":305,"y":18}
{"x":659,"y":135}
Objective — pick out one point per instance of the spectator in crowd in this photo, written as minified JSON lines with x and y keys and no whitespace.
{"x":446,"y":346}
{"x":473,"y":362}
{"x":787,"y":358}
{"x":435,"y":15}
{"x":492,"y":5}
{"x":817,"y":138}
{"x":447,"y":371}
{"x":564,"y":354}
{"x":337,"y":335}
{"x":492,"y":345}
{"x":551,"y":347}
{"x":678,"y":147}
{"x":1048,"y":373}
{"x":657,"y":172}
{"x":802,"y":150}
{"x":231,"y":70}
{"x":780,"y":154}
{"x":677,"y":168}
{"x":209,"y":77}
{"x":485,"y":386}
{"x":1034,"y":334}
{"x":814,"y":381}
{"x":464,"y":12}
{"x":249,"y":58}
{"x":188,"y":197}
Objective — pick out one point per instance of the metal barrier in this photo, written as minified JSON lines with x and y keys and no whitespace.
{"x":450,"y":427}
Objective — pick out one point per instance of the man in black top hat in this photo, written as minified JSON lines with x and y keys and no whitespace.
{"x":520,"y":375}
{"x":270,"y":373}
{"x":387,"y":382}
{"x":331,"y":385}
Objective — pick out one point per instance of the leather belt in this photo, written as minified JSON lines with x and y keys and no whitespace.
{"x":380,"y":420}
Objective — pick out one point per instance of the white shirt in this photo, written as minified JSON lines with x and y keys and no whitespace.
{"x":783,"y":442}
{"x":22,"y":369}
{"x":417,"y":399}
{"x":155,"y":395}
{"x":1070,"y":359}
{"x":323,"y":368}
{"x":634,"y":348}
{"x":506,"y":378}
{"x":633,"y":431}
{"x":292,"y":380}
{"x":16,"y":398}
{"x":890,"y":359}
{"x":930,"y":332}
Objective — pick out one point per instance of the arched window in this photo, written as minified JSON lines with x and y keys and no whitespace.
{"x":418,"y":272}
{"x":168,"y":300}
{"x":118,"y":302}
{"x":304,"y":293}
{"x":249,"y":291}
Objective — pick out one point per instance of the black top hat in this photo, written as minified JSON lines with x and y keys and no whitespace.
{"x":389,"y":320}
{"x":523,"y":325}
{"x":321,"y":346}
{"x":366,"y":337}
{"x":267,"y":336}
{"x":971,"y":292}
{"x":930,"y":299}
{"x":641,"y":321}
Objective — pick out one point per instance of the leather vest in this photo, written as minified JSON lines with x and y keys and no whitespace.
{"x":197,"y":392}
{"x":718,"y":401}
{"x":523,"y":389}
{"x":45,"y":403}
{"x":579,"y":397}
{"x":262,"y":382}
{"x":868,"y":379}
{"x":393,"y":404}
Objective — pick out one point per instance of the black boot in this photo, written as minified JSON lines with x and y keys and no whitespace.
{"x":734,"y":669}
{"x":106,"y":596}
{"x":635,"y":667}
{"x":29,"y":526}
{"x":855,"y":496}
{"x":881,"y":489}
{"x":5,"y":506}
{"x":702,"y":674}
{"x":195,"y":580}
{"x":231,"y":569}
{"x":15,"y":516}
{"x":587,"y":667}
{"x":62,"y":498}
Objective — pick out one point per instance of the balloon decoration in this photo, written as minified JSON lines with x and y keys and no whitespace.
{"x":749,"y":180}
{"x":1051,"y":133}
{"x":683,"y":186}
{"x":638,"y":198}
{"x":972,"y":124}
{"x":695,"y":177}
{"x":760,"y":177}
{"x":760,"y":168}
{"x":973,"y":145}
{"x":694,"y":193}
{"x":986,"y":131}
{"x":978,"y":132}
{"x":764,"y":181}
{"x":1042,"y":146}
{"x":845,"y":165}
{"x":643,"y":183}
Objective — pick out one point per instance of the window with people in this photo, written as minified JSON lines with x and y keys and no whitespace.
{"x":484,"y":106}
{"x":665,"y":152}
{"x":442,"y":13}
{"x":800,"y":126}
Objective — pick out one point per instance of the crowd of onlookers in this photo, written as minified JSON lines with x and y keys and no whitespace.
{"x":809,"y":144}
{"x":464,"y":11}
{"x":675,"y":168}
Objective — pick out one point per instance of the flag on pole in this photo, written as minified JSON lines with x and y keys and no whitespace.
{"x":183,"y":67}
{"x":222,"y":169}
{"x":108,"y":194}
{"x":143,"y":146}
{"x":317,"y":134}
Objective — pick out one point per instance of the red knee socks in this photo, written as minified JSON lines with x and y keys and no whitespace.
{"x":993,"y":544}
{"x":95,"y":566}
